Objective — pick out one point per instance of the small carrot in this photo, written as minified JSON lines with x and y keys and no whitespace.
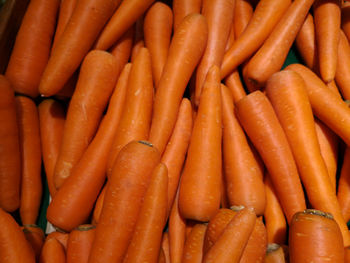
{"x":52,"y":252}
{"x":36,"y":237}
{"x":165,"y":247}
{"x":345,"y":18}
{"x":242,"y":15}
{"x":62,"y":237}
{"x":193,"y":249}
{"x":344,"y":186}
{"x":342,"y":72}
{"x":182,"y":8}
{"x":274,"y":254}
{"x":122,"y":49}
{"x":98,"y":206}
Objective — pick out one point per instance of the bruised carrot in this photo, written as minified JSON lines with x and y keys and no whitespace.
{"x":165,"y":247}
{"x":32,"y":47}
{"x":62,"y":237}
{"x":123,"y":199}
{"x":188,"y":44}
{"x":36,"y":237}
{"x":274,"y":254}
{"x":315,"y":236}
{"x":345,"y":18}
{"x":182,"y":8}
{"x":344,"y":186}
{"x":193,"y":249}
{"x":122,"y":49}
{"x":96,"y":82}
{"x":242,"y":15}
{"x":52,"y":252}
{"x":98,"y":206}
{"x":10,"y":156}
{"x":87,"y":21}
{"x":138,"y":39}
{"x":342,"y":72}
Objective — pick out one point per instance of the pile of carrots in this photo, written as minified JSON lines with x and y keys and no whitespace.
{"x":173,"y":132}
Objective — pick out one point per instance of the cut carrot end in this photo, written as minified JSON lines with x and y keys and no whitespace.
{"x":146,"y":143}
{"x":272,"y":247}
{"x":85,"y":227}
{"x":318,"y":213}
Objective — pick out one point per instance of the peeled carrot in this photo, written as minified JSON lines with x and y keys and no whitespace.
{"x":274,"y":254}
{"x":123,"y":199}
{"x":188,"y":44}
{"x":345,"y":18}
{"x":32,"y":47}
{"x":52,"y":252}
{"x":10,"y":156}
{"x":342,"y":72}
{"x":242,"y":15}
{"x":193,"y":249}
{"x":182,"y":8}
{"x":122,"y":49}
{"x":36,"y":237}
{"x":97,"y":79}
{"x":87,"y":21}
{"x":98,"y":206}
{"x":62,"y":237}
{"x":344,"y":186}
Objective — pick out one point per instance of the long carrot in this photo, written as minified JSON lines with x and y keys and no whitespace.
{"x":344,"y":186}
{"x":123,"y":199}
{"x":258,"y":119}
{"x":87,"y":20}
{"x":188,"y":44}
{"x":274,"y":254}
{"x":199,"y":193}
{"x":32,"y":47}
{"x":342,"y":72}
{"x":122,"y":49}
{"x":36,"y":237}
{"x":96,"y":82}
{"x":193,"y":249}
{"x":242,"y":15}
{"x":10,"y":156}
{"x":52,"y":252}
{"x":182,"y":8}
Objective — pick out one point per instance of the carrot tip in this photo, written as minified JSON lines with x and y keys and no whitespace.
{"x":237,"y":208}
{"x":318,"y":213}
{"x":146,"y":143}
{"x":85,"y":227}
{"x":271,"y":247}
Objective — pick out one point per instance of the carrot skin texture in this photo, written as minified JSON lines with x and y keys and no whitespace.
{"x":165,"y":247}
{"x":52,"y":252}
{"x":344,"y":186}
{"x":345,"y":19}
{"x":188,"y":44}
{"x":10,"y":156}
{"x":342,"y":72}
{"x":193,"y":249}
{"x":182,"y":8}
{"x":122,"y":49}
{"x":346,"y":254}
{"x":36,"y":237}
{"x":242,"y":15}
{"x":32,"y":47}
{"x":62,"y":237}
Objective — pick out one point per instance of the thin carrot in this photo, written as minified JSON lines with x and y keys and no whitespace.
{"x":62,"y":237}
{"x":165,"y":247}
{"x":344,"y":186}
{"x":122,"y":49}
{"x":98,"y":206}
{"x":32,"y":47}
{"x":97,"y":79}
{"x":345,"y":18}
{"x":242,"y":15}
{"x":123,"y":199}
{"x":315,"y":236}
{"x":274,"y":254}
{"x":182,"y":8}
{"x":36,"y":237}
{"x":342,"y":72}
{"x":87,"y":20}
{"x":188,"y":44}
{"x":138,"y":38}
{"x":10,"y":156}
{"x":52,"y":252}
{"x":193,"y":249}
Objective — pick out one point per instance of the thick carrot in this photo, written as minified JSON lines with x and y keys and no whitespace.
{"x":344,"y":186}
{"x":10,"y":156}
{"x":14,"y":248}
{"x":136,"y":116}
{"x":72,"y":205}
{"x":266,"y":15}
{"x":97,"y":79}
{"x":345,"y":18}
{"x":158,"y":26}
{"x":123,"y":199}
{"x":193,"y":249}
{"x":79,"y":244}
{"x":274,"y":254}
{"x":243,"y":176}
{"x":36,"y":237}
{"x":138,"y":38}
{"x":87,"y":20}
{"x":200,"y":193}
{"x":175,"y":152}
{"x":182,"y":8}
{"x":62,"y":237}
{"x":260,"y":122}
{"x":98,"y":206}
{"x":165,"y":247}
{"x":122,"y":49}
{"x":52,"y":252}
{"x":314,"y":236}
{"x":51,"y":117}
{"x":32,"y":47}
{"x":342,"y":77}
{"x":242,"y":15}
{"x":188,"y":44}
{"x":219,"y":15}
{"x":327,"y":26}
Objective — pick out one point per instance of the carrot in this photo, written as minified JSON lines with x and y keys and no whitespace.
{"x":158,"y":25}
{"x":189,"y":226}
{"x":275,"y":221}
{"x":242,"y":15}
{"x":165,"y":247}
{"x":122,"y":49}
{"x":123,"y":199}
{"x":315,"y":236}
{"x":231,"y":243}
{"x":51,"y":118}
{"x":87,"y":20}
{"x":233,"y":82}
{"x":32,"y":47}
{"x":345,"y":18}
{"x":52,"y":252}
{"x":10,"y":156}
{"x":136,"y":115}
{"x":266,"y":15}
{"x":219,"y":15}
{"x":36,"y":237}
{"x":138,"y":38}
{"x":341,"y":75}
{"x":274,"y":254}
{"x":176,"y":149}
{"x":224,"y":202}
{"x":98,"y":206}
{"x":243,"y":176}
{"x":199,"y":193}
{"x":327,"y":27}
{"x":188,"y":44}
{"x":71,"y":206}
{"x":14,"y":248}
{"x":62,"y":237}
{"x":346,"y":254}
{"x":182,"y":8}
{"x":146,"y":241}
{"x":193,"y":249}
{"x":344,"y":186}
{"x":161,"y":258}
{"x":96,"y":82}
{"x":79,"y":244}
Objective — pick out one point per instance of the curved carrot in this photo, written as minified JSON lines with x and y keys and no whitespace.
{"x":97,"y":79}
{"x":123,"y":199}
{"x":72,"y":205}
{"x":182,"y":8}
{"x":51,"y":117}
{"x":36,"y":237}
{"x":62,"y":237}
{"x":193,"y":249}
{"x":315,"y":236}
{"x":32,"y":47}
{"x":165,"y":247}
{"x":10,"y":156}
{"x":122,"y":49}
{"x":266,"y":15}
{"x":260,"y":122}
{"x":52,"y":252}
{"x":345,"y":18}
{"x":30,"y":145}
{"x":327,"y":27}
{"x":87,"y":20}
{"x":243,"y":176}
{"x":274,"y":254}
{"x":344,"y":186}
{"x":136,"y":116}
{"x":242,"y":15}
{"x":158,"y":25}
{"x":98,"y":206}
{"x":14,"y":248}
{"x":342,"y":72}
{"x":188,"y":44}
{"x":200,"y":193}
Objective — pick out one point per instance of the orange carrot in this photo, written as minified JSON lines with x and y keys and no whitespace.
{"x":345,"y":18}
{"x":182,"y":8}
{"x":193,"y":249}
{"x":98,"y":206}
{"x":274,"y":254}
{"x":62,"y":237}
{"x":32,"y":47}
{"x":123,"y":199}
{"x":52,"y":252}
{"x":342,"y":72}
{"x":122,"y":49}
{"x":10,"y":156}
{"x":138,"y":38}
{"x":233,"y":82}
{"x":165,"y":247}
{"x":346,"y":254}
{"x":36,"y":237}
{"x":344,"y":186}
{"x":161,"y":258}
{"x":188,"y":44}
{"x":242,"y":15}
{"x":96,"y":82}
